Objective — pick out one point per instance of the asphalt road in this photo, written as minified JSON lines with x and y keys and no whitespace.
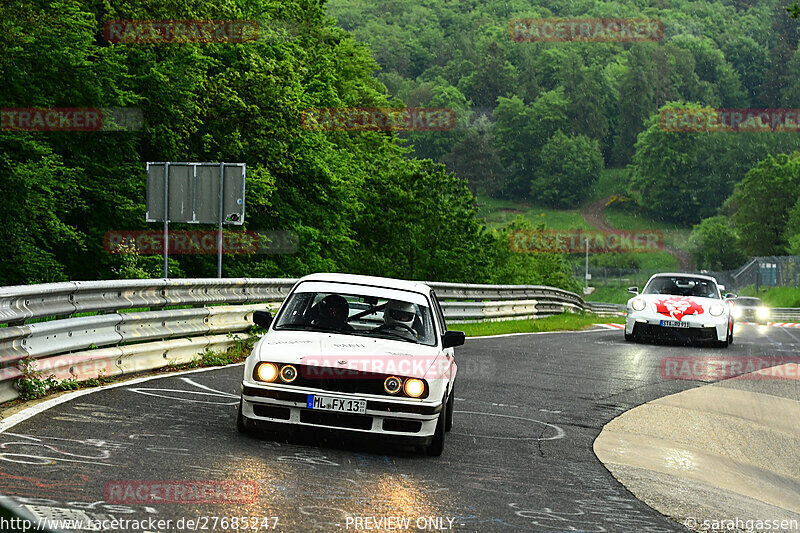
{"x":519,"y":457}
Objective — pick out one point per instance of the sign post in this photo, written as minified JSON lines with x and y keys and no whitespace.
{"x":195,"y":193}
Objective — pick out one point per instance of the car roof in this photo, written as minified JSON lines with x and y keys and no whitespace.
{"x":370,"y":281}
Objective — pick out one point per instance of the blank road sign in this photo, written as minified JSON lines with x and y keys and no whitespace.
{"x":194,"y":192}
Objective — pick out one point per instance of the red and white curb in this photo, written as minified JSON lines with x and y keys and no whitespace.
{"x":611,"y":326}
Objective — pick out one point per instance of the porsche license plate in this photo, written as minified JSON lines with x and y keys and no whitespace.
{"x":674,"y":324}
{"x":342,"y":405}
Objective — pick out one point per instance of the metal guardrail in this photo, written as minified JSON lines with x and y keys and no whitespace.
{"x":784,"y":314}
{"x":136,"y":325}
{"x":605,"y":309}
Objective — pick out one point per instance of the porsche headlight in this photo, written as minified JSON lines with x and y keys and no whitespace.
{"x":737,"y":312}
{"x":762,"y":313}
{"x":716,"y":309}
{"x":267,"y":372}
{"x":638,"y":304}
{"x":414,"y":387}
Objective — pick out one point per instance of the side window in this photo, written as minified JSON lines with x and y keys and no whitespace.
{"x":439,"y":313}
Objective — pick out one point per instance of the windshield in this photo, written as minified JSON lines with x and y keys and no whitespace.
{"x":752,"y":302}
{"x":682,"y":286}
{"x":357,"y":314}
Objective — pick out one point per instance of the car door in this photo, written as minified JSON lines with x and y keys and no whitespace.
{"x":449,"y":353}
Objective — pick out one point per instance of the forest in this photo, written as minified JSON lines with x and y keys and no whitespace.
{"x":534,"y":121}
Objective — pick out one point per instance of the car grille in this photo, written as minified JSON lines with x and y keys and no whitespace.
{"x":651,"y":330}
{"x":339,"y":380}
{"x":271,"y":411}
{"x":338,"y":420}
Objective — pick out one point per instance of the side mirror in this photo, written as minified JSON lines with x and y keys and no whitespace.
{"x":721,"y":288}
{"x":453,"y":338}
{"x":633,"y":290}
{"x":262,"y":318}
{"x":729,"y":296}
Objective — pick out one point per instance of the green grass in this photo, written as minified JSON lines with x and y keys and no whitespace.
{"x":562,"y":322}
{"x":775,"y":296}
{"x":674,"y":235}
{"x":611,"y":295}
{"x":498,"y":213}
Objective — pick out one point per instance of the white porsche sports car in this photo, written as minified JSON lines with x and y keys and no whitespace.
{"x":354,"y":353}
{"x":683,"y":306}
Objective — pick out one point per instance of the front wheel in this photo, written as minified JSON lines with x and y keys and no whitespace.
{"x":448,"y":425}
{"x":241,"y":423}
{"x":436,"y":447}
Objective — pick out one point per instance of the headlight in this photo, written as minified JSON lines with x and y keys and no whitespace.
{"x":266,"y":372}
{"x":716,"y":309}
{"x":288,"y":373}
{"x":638,"y":304}
{"x":392,"y":385}
{"x":414,"y":388}
{"x":737,"y":312}
{"x":762,"y":312}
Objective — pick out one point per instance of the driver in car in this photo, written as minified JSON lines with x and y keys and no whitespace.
{"x":333,"y":311}
{"x":399,"y":316}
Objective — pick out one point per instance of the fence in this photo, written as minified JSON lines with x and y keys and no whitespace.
{"x":84,"y":330}
{"x":759,"y":272}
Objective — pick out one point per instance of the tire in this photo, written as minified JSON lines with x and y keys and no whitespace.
{"x":448,"y":424}
{"x":725,"y":343}
{"x":730,"y":335}
{"x":436,"y":447}
{"x":242,"y":426}
{"x":630,"y":338}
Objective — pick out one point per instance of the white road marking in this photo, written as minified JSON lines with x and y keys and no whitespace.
{"x":25,"y":414}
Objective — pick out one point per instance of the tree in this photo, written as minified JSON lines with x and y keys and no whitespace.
{"x":792,"y":232}
{"x":669,"y":172}
{"x":568,"y":167}
{"x":636,"y":101}
{"x":761,"y":204}
{"x":714,"y":245}
{"x":476,"y":159}
{"x":521,"y":131}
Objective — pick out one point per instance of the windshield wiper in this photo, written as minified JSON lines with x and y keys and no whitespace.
{"x":311,"y":327}
{"x":393,"y":334}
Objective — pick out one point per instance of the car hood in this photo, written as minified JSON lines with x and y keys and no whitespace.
{"x":676,"y":307}
{"x":332,"y":350}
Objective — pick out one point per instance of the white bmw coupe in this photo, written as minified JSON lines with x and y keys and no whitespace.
{"x":358,"y":354}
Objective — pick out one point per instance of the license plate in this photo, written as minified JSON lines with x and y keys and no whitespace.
{"x":342,"y":405}
{"x":674,"y":324}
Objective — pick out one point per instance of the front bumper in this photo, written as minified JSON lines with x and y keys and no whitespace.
{"x":703,"y":328}
{"x":412,"y":420}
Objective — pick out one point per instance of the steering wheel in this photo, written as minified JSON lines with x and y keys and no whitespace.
{"x":399,"y":324}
